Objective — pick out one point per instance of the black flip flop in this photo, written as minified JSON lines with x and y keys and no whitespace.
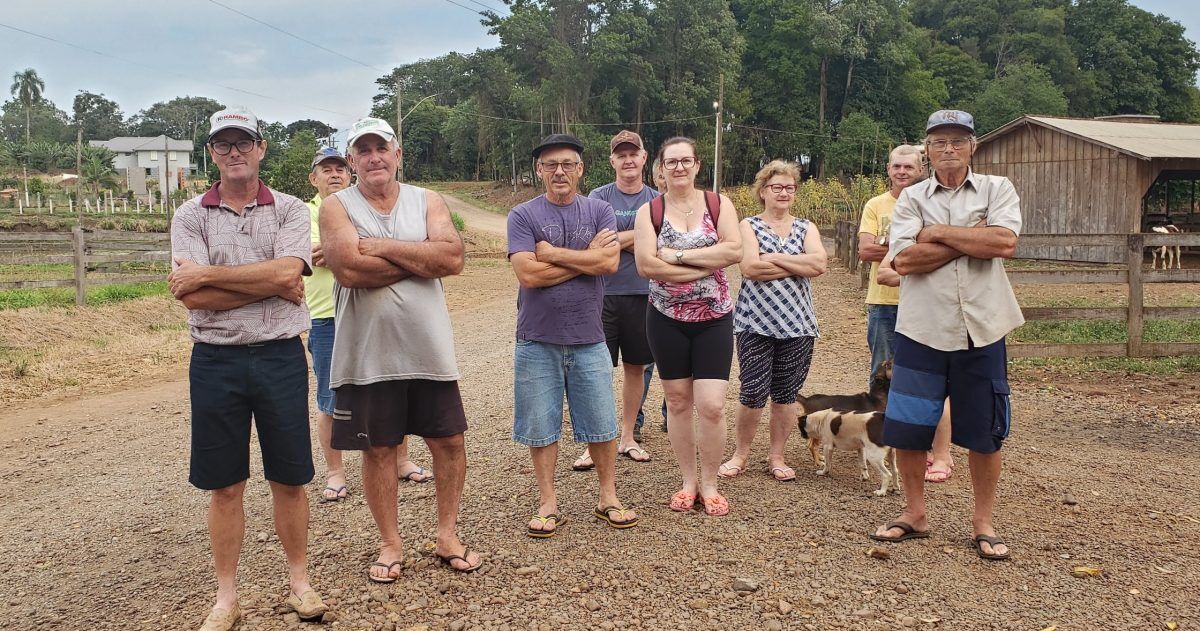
{"x":388,"y":578}
{"x":905,"y":527}
{"x":448,"y":560}
{"x":993,"y":541}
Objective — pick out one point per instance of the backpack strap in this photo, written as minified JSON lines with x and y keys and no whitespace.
{"x":658,"y":207}
{"x":713,"y":201}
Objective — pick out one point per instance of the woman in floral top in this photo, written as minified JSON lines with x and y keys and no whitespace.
{"x":684,"y":251}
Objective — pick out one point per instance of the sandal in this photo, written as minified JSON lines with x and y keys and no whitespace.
{"x":938,"y":475}
{"x":584,"y":462}
{"x":715,"y":506}
{"x":388,"y":578}
{"x":309,"y":606}
{"x":789,"y":474}
{"x":449,"y":559}
{"x":338,"y":493}
{"x":605,"y":513}
{"x":682,"y":501}
{"x":729,"y":471}
{"x":426,"y":475}
{"x":543,"y":533}
{"x":993,"y":541}
{"x":628,"y":453}
{"x":907,"y":532}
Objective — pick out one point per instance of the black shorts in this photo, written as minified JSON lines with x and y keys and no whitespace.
{"x":699,"y":350}
{"x":768,"y":365}
{"x":380,"y":414}
{"x":232,"y":384}
{"x":624,"y":320}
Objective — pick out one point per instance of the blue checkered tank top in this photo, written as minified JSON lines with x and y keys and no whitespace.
{"x":781,"y":308}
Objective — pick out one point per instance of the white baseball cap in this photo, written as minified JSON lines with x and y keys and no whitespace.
{"x":366,"y":126}
{"x":237,"y":117}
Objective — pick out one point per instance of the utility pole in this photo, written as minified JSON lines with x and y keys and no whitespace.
{"x":718,"y":105}
{"x":165,"y":168}
{"x":79,"y":168}
{"x":512,"y":152}
{"x":399,"y":130}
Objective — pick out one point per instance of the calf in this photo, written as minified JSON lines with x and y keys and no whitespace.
{"x":1166,"y":251}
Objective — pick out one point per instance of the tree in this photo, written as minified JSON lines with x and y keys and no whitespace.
{"x":46,"y":156}
{"x":27,"y":88}
{"x":288,"y":172}
{"x":318,"y":129}
{"x":862,"y":146}
{"x":96,"y":169}
{"x":181,"y":117}
{"x":1023,"y":89}
{"x":99,"y":118}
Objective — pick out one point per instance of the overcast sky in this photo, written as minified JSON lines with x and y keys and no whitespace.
{"x":199,"y":48}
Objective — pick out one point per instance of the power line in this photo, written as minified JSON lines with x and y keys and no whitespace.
{"x":486,"y":6}
{"x":625,"y":124}
{"x":463,"y":6}
{"x":801,"y":133}
{"x":177,"y":74}
{"x":297,"y":37}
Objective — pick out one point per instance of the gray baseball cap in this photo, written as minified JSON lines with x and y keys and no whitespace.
{"x":236,"y":117}
{"x":950,"y":118}
{"x":328,"y":153}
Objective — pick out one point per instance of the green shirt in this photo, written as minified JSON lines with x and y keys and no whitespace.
{"x":318,"y":288}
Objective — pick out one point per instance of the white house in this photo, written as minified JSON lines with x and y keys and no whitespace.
{"x":141,"y":159}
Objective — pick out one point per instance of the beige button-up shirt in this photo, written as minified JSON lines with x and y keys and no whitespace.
{"x":207,"y":231}
{"x":967,"y":298}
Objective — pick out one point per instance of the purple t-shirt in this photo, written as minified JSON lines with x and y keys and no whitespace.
{"x":626,"y":281}
{"x":566,"y":313}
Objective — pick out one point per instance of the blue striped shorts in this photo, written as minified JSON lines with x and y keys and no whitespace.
{"x":976,"y":382}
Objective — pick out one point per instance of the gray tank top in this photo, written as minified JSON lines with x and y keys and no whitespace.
{"x":401,"y":331}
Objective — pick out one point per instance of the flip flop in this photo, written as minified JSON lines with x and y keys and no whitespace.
{"x":337,"y":494}
{"x":789,"y":474}
{"x":580,"y":465}
{"x":993,"y":541}
{"x":421,"y":471}
{"x":604,"y":513}
{"x":715,"y":506}
{"x":546,"y":534}
{"x":724,"y":470}
{"x":448,"y":561}
{"x":388,"y":578}
{"x":938,"y":475}
{"x":628,"y":453}
{"x":908,"y":532}
{"x":682,"y":501}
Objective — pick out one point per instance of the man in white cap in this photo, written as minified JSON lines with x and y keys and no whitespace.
{"x":394,"y":372}
{"x":240,"y":251}
{"x":950,"y":236}
{"x":331,"y":173}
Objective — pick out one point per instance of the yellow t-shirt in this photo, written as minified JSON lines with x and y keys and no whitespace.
{"x":318,"y":288}
{"x":877,"y":220}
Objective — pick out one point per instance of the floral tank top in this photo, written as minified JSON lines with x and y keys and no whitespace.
{"x":698,"y":300}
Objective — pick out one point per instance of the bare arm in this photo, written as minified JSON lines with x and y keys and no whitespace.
{"x":980,"y":241}
{"x":923,"y":258}
{"x":625,"y":239}
{"x":350,"y":267}
{"x":811,"y":264}
{"x":725,"y":252}
{"x":868,"y":250}
{"x":753,"y":267}
{"x":645,"y":254}
{"x":887,"y":275}
{"x":602,"y":256}
{"x":441,"y":254}
{"x":532,"y":273}
{"x":216,"y":299}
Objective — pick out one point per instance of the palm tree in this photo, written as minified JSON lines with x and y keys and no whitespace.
{"x":27,"y":87}
{"x":97,"y":171}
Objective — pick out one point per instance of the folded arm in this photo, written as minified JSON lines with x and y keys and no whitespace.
{"x":532,"y":273}
{"x":812,"y":263}
{"x":980,"y":241}
{"x":602,"y":256}
{"x":646,"y":255}
{"x":441,"y":254}
{"x":351,"y":268}
{"x":752,"y":266}
{"x":868,"y":250}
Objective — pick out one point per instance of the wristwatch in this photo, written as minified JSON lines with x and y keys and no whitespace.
{"x":679,"y":257}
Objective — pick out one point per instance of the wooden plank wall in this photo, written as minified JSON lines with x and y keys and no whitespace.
{"x":1068,"y":186}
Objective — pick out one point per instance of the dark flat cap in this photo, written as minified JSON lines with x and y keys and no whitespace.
{"x":558,"y":140}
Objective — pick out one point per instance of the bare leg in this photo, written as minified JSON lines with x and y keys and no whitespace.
{"x":681,"y":431}
{"x":379,"y":484}
{"x":335,"y":471}
{"x":943,"y":463}
{"x":985,"y":476}
{"x":406,"y":468}
{"x":291,"y":525}
{"x":710,"y":407}
{"x":226,"y":529}
{"x":911,"y":464}
{"x":449,"y":472}
{"x":544,"y":461}
{"x":605,"y":456}
{"x":631,"y":402}
{"x":746,"y":426}
{"x":783,"y":420}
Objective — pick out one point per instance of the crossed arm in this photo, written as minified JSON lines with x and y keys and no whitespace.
{"x":698,"y":263}
{"x":549,"y":265}
{"x":868,"y":250}
{"x":223,"y":287}
{"x":775,"y":266}
{"x":374,"y":262}
{"x":938,"y":244}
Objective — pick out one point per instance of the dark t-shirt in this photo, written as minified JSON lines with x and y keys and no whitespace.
{"x":625,"y":281}
{"x":569,"y":312}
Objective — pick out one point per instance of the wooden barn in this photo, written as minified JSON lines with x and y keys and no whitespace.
{"x":1111,"y":175}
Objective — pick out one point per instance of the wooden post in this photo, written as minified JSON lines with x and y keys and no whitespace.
{"x":80,"y":263}
{"x":1133,"y":327}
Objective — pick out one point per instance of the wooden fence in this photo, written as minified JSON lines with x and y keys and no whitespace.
{"x":86,"y":251}
{"x":1133,"y":275}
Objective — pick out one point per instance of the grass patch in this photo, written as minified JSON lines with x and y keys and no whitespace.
{"x":65,"y":296}
{"x":1106,"y":331}
{"x":1148,"y":366}
{"x":460,"y":224}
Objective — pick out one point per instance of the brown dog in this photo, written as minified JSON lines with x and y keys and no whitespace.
{"x":874,"y":400}
{"x":854,"y":431}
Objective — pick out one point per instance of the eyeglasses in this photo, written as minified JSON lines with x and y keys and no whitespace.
{"x":779,"y":188}
{"x":956,"y":144}
{"x":675,"y":163}
{"x":552,"y":167}
{"x":221,"y":147}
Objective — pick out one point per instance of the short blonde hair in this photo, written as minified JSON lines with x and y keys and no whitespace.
{"x":908,"y":150}
{"x":773,"y":168}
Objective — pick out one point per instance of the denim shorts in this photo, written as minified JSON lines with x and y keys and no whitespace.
{"x":546,"y":373}
{"x":320,"y":346}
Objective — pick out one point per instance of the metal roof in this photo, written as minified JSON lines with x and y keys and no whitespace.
{"x":130,"y":144}
{"x":1145,"y":141}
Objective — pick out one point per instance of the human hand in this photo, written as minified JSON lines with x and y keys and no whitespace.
{"x":887,"y":277}
{"x":371,"y":246}
{"x":293,"y":292}
{"x":603,"y":239}
{"x":318,"y":255}
{"x":186,"y":277}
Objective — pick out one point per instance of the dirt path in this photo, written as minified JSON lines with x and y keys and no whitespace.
{"x":100,"y":530}
{"x":478,"y":218}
